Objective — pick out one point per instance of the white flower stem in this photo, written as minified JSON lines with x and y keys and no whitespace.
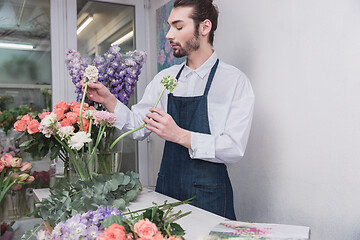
{"x":92,"y":154}
{"x":82,"y":104}
{"x":136,"y":129}
{"x":73,"y":159}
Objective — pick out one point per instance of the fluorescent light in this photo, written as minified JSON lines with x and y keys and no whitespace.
{"x":16,"y":46}
{"x":84,"y":24}
{"x":123,"y":38}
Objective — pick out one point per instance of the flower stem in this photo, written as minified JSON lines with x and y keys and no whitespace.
{"x":82,"y":104}
{"x":138,"y":128}
{"x":73,"y":159}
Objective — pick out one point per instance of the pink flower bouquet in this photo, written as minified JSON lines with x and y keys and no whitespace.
{"x":70,"y":126}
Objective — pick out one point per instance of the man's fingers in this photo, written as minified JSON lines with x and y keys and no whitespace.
{"x":154,"y":116}
{"x":158,"y":111}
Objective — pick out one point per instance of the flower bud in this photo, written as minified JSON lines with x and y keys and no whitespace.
{"x":23,"y":177}
{"x":26,"y":166}
{"x":169,"y":83}
{"x":30,"y":179}
{"x":15,"y":162}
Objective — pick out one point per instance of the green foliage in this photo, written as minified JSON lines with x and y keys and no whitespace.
{"x":67,"y":200}
{"x":39,"y":146}
{"x":9,"y":117}
{"x":5,"y":100}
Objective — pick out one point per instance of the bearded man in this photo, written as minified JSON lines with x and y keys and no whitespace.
{"x":206,"y":120}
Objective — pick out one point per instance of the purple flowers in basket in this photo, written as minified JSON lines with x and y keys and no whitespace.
{"x":118,"y":72}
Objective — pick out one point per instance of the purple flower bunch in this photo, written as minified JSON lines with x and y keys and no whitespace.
{"x":118,"y":72}
{"x":80,"y":226}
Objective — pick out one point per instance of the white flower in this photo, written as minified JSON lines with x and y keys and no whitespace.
{"x":49,"y":120}
{"x":92,"y":73}
{"x":49,"y":125}
{"x":66,"y":132}
{"x":79,"y":139}
{"x":89,"y":114}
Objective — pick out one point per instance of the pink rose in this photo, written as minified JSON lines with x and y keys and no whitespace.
{"x":26,"y":166}
{"x":20,"y":125}
{"x":27,"y":118}
{"x":7,"y":159}
{"x":59,"y":113}
{"x":72,"y":117}
{"x":42,"y":116}
{"x":146,"y":238}
{"x":158,"y":236}
{"x":114,"y":232}
{"x":62,"y":105}
{"x":74,"y":104}
{"x":145,"y":228}
{"x":33,"y":126}
{"x":65,"y":122}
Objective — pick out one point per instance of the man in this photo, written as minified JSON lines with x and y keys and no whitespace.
{"x":206,"y":120}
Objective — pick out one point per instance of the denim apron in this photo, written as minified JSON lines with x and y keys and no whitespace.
{"x":181,"y":177}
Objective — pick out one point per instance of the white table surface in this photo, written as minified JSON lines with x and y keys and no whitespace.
{"x":196,"y":225}
{"x":199,"y":223}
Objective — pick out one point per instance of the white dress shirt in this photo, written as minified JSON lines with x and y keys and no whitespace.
{"x":230,"y":109}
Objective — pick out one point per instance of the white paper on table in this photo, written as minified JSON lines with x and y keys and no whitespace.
{"x":264,"y":230}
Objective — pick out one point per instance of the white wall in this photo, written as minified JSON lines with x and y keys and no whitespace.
{"x":303,"y":157}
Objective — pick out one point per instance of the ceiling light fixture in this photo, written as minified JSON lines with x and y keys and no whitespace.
{"x":123,"y":38}
{"x":16,"y":46}
{"x":84,"y":24}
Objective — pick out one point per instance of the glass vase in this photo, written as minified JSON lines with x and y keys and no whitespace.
{"x":108,"y":162}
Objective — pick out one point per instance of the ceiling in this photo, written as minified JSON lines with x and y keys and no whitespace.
{"x":21,"y":19}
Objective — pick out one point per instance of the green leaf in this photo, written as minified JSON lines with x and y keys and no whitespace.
{"x":119,"y":204}
{"x":131,"y":195}
{"x":176,"y":229}
{"x":27,"y":143}
{"x":113,"y":219}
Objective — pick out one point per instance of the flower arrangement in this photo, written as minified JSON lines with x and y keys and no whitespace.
{"x":13,"y":172}
{"x":155,"y":223}
{"x":69,"y":127}
{"x":106,"y":223}
{"x":118,"y":72}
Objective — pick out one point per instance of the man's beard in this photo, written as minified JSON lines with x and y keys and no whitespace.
{"x":191,"y":45}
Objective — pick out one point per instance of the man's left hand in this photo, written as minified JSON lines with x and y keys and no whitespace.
{"x":164,"y":126}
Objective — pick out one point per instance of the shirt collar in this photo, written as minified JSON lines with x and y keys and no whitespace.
{"x":204,"y":68}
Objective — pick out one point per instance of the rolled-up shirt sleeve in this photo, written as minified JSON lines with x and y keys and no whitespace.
{"x":228,"y":141}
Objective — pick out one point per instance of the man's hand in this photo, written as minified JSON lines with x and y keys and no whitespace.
{"x":165,"y":127}
{"x":99,"y":93}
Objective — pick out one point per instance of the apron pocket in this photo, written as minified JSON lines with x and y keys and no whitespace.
{"x":210,"y":197}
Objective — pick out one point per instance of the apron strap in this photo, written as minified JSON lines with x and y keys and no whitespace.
{"x":179,"y":73}
{"x":211,"y":77}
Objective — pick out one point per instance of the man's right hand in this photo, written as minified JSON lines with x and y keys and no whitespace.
{"x":99,"y":93}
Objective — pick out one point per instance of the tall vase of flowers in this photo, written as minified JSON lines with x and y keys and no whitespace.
{"x":119,"y":73}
